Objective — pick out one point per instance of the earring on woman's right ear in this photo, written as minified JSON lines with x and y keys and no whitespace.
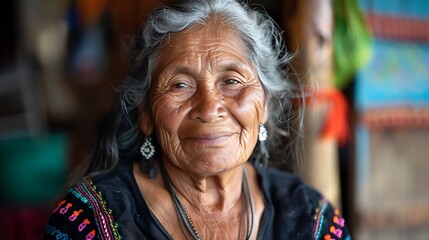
{"x":147,"y":151}
{"x":261,"y":160}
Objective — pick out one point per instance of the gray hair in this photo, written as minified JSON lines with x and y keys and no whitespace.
{"x":265,"y":48}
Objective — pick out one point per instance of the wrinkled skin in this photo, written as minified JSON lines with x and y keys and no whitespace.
{"x":206,"y":102}
{"x":205,"y":106}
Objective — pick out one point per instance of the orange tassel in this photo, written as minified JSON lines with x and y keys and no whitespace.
{"x":336,"y":122}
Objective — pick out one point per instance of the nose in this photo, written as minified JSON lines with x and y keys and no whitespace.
{"x":208,"y":106}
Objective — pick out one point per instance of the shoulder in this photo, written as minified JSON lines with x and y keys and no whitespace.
{"x":285,"y":186}
{"x":301,"y":208}
{"x":328,"y":222}
{"x":291,"y":200}
{"x":117,"y":184}
{"x":81,"y":214}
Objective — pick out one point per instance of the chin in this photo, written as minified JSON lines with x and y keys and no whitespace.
{"x":215,"y":166}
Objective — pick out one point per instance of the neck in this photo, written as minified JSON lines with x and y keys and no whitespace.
{"x":210,"y":194}
{"x":215,"y":217}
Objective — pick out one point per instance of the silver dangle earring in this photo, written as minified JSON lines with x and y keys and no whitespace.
{"x":147,"y":150}
{"x":261,"y":160}
{"x":262,"y":134}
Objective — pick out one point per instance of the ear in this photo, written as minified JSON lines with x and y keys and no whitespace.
{"x":145,"y":119}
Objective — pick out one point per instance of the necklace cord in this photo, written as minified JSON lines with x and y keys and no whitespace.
{"x":249,"y":201}
{"x":180,"y":209}
{"x":183,"y":213}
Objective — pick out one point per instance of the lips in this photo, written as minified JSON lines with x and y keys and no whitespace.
{"x":209,"y":139}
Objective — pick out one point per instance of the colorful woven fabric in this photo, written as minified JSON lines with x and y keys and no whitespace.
{"x":396,"y":117}
{"x":82,"y":215}
{"x":399,"y":28}
{"x":327,"y":218}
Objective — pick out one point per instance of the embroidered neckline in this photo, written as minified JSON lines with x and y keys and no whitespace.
{"x":87,"y":192}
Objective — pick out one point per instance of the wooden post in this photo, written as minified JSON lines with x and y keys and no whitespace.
{"x":309,"y":28}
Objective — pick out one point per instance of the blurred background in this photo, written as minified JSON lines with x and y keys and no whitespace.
{"x":365,"y":62}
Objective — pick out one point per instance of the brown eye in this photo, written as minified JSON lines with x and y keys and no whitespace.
{"x":180,"y":85}
{"x":230,"y":87}
{"x":231,"y":82}
{"x":182,"y":90}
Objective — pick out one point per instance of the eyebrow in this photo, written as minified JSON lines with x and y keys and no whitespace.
{"x":183,"y":69}
{"x":237,"y":66}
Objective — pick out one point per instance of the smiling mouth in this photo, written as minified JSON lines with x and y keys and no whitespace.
{"x":210,"y":140}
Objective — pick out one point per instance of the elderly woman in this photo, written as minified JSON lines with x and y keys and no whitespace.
{"x":186,"y":155}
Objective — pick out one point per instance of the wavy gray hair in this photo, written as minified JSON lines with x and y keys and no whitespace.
{"x":265,"y":48}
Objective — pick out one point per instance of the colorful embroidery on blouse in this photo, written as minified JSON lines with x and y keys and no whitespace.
{"x":64,"y":208}
{"x":87,"y":193}
{"x":56,"y":233}
{"x":319,"y":218}
{"x":336,"y":223}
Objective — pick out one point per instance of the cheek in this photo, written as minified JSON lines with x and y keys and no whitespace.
{"x":168,"y":118}
{"x":167,"y":114}
{"x":248,"y":108}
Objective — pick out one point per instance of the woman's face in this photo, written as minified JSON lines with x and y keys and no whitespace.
{"x":206,"y":101}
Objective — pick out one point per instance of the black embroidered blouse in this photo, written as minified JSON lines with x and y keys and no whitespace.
{"x":111,"y":207}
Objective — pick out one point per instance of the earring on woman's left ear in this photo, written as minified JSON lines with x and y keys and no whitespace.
{"x":147,"y":151}
{"x":261,"y":160}
{"x":262,"y":133}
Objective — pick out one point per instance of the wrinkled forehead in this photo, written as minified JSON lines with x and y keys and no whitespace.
{"x":215,"y":35}
{"x":214,"y":28}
